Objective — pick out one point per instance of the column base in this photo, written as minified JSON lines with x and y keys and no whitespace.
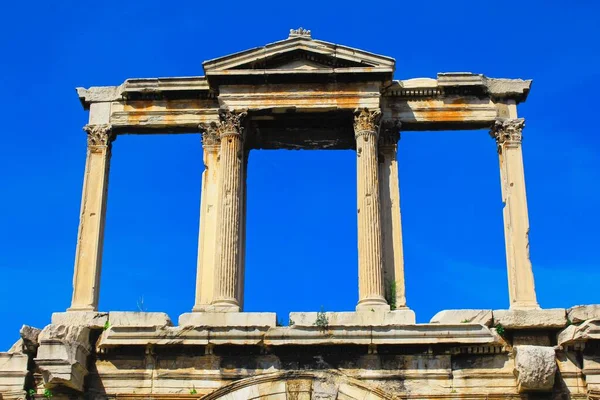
{"x":223,"y":306}
{"x":525,"y":305}
{"x":82,"y":309}
{"x":373,"y":304}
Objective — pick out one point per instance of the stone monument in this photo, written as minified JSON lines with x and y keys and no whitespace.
{"x":302,"y":93}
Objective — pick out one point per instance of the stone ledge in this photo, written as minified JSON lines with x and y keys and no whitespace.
{"x":355,"y":319}
{"x":483,"y":317}
{"x":216,"y":319}
{"x":133,"y":318}
{"x":90,"y":319}
{"x":422,"y":334}
{"x":471,"y":334}
{"x":531,"y":319}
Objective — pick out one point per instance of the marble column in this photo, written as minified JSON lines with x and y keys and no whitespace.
{"x":508,"y":136}
{"x":90,"y":238}
{"x":207,"y":243}
{"x":370,"y":261}
{"x":230,"y":212}
{"x":389,"y":187}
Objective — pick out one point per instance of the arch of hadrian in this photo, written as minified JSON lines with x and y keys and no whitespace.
{"x":301,"y":93}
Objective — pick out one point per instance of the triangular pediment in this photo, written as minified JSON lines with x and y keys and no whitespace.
{"x":300,"y":54}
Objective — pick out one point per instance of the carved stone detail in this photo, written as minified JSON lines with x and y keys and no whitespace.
{"x":508,"y":131}
{"x":366,"y":122}
{"x":389,"y":132}
{"x":300,"y":32}
{"x":210,"y":134}
{"x":99,"y":135}
{"x":229,"y":124}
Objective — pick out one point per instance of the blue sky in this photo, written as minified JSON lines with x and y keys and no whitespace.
{"x":301,"y":246}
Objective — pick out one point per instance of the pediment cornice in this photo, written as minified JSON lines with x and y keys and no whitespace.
{"x":301,"y":56}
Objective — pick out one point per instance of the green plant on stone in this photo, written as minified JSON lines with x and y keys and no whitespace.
{"x":193,"y":390}
{"x":499,"y":329}
{"x":390,"y":293}
{"x":322,"y":321}
{"x":106,"y":325}
{"x":47,"y":393}
{"x":465,"y":321}
{"x":31,"y":394}
{"x":291,"y":322}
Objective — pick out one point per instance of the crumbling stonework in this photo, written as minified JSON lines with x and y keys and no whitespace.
{"x":535,"y":368}
{"x":63,"y":354}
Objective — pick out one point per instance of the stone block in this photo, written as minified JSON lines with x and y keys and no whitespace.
{"x":589,"y":330}
{"x":531,"y":319}
{"x":91,"y":319}
{"x":580,"y":314}
{"x":126,"y":318}
{"x":483,"y":317}
{"x":228,"y":319}
{"x":13,"y":373}
{"x":30,"y":335}
{"x":535,"y":368}
{"x":62,"y":355}
{"x":359,"y":318}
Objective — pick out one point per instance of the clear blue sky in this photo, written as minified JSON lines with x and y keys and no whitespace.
{"x":301,"y":248}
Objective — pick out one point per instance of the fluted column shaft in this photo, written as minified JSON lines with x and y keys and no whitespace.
{"x":508,"y":136}
{"x":391,"y":221}
{"x":230,"y":209}
{"x":370,"y":261}
{"x":207,"y":244}
{"x":90,"y":237}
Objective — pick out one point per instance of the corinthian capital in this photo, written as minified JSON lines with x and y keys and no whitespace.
{"x":229,"y":124}
{"x":389,"y":132}
{"x":99,"y":135}
{"x":508,"y":131}
{"x":366,"y":122}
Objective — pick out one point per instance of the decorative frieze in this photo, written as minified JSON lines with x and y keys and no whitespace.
{"x":99,"y":135}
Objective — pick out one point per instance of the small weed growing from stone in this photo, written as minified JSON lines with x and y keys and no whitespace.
{"x":500,"y":329}
{"x":391,"y":294}
{"x":322,"y":321}
{"x":291,"y":322}
{"x":106,"y":325}
{"x":193,"y":390}
{"x":48,"y":393}
{"x":464,"y":321}
{"x":31,"y":394}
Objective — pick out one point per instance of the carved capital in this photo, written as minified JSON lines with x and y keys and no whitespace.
{"x":99,"y":135}
{"x":210,"y":134}
{"x":366,"y":122}
{"x":508,"y":131}
{"x":389,"y":132}
{"x":230,"y":124}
